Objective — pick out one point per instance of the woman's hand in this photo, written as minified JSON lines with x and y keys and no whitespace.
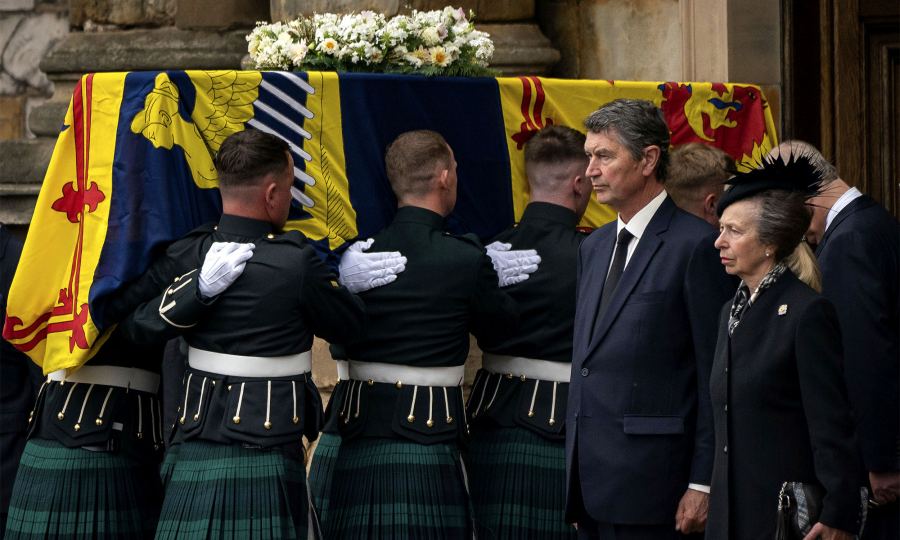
{"x":825,"y":532}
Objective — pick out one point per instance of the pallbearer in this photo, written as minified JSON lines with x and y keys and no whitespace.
{"x":398,"y":473}
{"x":517,"y":408}
{"x":236,"y":469}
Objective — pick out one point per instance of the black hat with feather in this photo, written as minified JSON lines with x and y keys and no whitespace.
{"x":797,"y":175}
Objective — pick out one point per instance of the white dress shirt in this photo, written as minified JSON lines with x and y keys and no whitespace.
{"x":848,"y":197}
{"x":638,"y":224}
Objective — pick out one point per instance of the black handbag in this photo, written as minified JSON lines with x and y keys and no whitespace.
{"x":799,"y":508}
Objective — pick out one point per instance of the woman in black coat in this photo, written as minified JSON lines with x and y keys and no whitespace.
{"x":779,"y":404}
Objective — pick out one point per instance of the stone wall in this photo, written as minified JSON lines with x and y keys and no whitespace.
{"x":28,"y":29}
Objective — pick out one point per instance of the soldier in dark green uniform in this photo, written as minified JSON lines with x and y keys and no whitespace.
{"x":517,"y":408}
{"x":90,"y":468}
{"x":398,"y":473}
{"x":236,"y":469}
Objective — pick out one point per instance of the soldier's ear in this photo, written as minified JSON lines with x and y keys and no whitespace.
{"x":271,"y":187}
{"x":443,"y":179}
{"x":709,"y":205}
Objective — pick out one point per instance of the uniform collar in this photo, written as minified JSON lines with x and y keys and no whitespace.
{"x":242,"y":226}
{"x":550,"y":212}
{"x":417,"y":214}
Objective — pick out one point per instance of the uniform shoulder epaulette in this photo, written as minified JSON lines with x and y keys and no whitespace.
{"x":289,"y":237}
{"x":202,"y":230}
{"x":468,"y":238}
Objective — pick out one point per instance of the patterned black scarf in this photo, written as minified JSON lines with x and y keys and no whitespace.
{"x":743,"y":299}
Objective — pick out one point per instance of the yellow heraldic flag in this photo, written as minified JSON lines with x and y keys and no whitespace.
{"x":733,"y":117}
{"x":51,"y":322}
{"x":327,"y":195}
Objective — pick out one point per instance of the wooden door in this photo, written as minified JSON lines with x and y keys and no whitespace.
{"x":856,"y":46}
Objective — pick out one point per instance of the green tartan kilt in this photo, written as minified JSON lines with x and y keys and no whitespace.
{"x":518,"y":483}
{"x":76,"y":493}
{"x":229,"y":491}
{"x":393,"y":489}
{"x":321,"y":472}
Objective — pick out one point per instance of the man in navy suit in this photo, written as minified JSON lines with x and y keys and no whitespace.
{"x":857,"y":249}
{"x":639,"y":446}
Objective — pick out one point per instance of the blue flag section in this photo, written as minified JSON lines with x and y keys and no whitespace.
{"x":378,"y":108}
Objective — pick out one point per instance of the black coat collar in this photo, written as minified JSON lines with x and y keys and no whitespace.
{"x":549,"y":212}
{"x":242,"y":226}
{"x":422,"y":216}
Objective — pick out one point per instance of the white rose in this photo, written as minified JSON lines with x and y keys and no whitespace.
{"x":297,"y":52}
{"x":430,"y":36}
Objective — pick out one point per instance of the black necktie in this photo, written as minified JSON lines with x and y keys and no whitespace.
{"x":615,"y":270}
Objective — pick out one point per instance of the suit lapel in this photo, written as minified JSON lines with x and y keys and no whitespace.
{"x":647,"y":247}
{"x":591,"y":285}
{"x":857,"y":204}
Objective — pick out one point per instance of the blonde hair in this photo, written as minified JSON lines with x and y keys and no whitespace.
{"x":802,"y":262}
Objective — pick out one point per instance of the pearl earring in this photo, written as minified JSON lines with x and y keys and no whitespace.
{"x":768,"y":254}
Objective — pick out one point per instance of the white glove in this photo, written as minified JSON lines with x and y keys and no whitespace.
{"x":512,"y":266}
{"x":223,"y":264}
{"x":362,"y":271}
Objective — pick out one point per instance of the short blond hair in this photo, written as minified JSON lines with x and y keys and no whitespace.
{"x":413,"y":160}
{"x":695,"y":170}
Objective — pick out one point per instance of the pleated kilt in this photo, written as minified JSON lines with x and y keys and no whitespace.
{"x":229,"y":491}
{"x":518,"y":484}
{"x":321,"y":472}
{"x":76,"y":493}
{"x":394,"y":489}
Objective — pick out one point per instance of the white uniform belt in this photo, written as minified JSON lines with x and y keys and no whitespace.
{"x":343,"y":370}
{"x":412,"y":375}
{"x":124,"y":377}
{"x":236,"y":365}
{"x":530,"y":368}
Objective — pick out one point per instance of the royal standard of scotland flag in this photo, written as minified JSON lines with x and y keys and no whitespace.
{"x":133,"y":167}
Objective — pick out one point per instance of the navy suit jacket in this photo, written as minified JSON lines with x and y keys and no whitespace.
{"x":639,"y":431}
{"x":859,"y":257}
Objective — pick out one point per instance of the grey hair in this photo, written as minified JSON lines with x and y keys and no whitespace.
{"x":637,"y":124}
{"x":783,"y":220}
{"x":796,"y":147}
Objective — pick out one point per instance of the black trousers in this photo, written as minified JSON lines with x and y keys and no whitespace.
{"x":588,"y":529}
